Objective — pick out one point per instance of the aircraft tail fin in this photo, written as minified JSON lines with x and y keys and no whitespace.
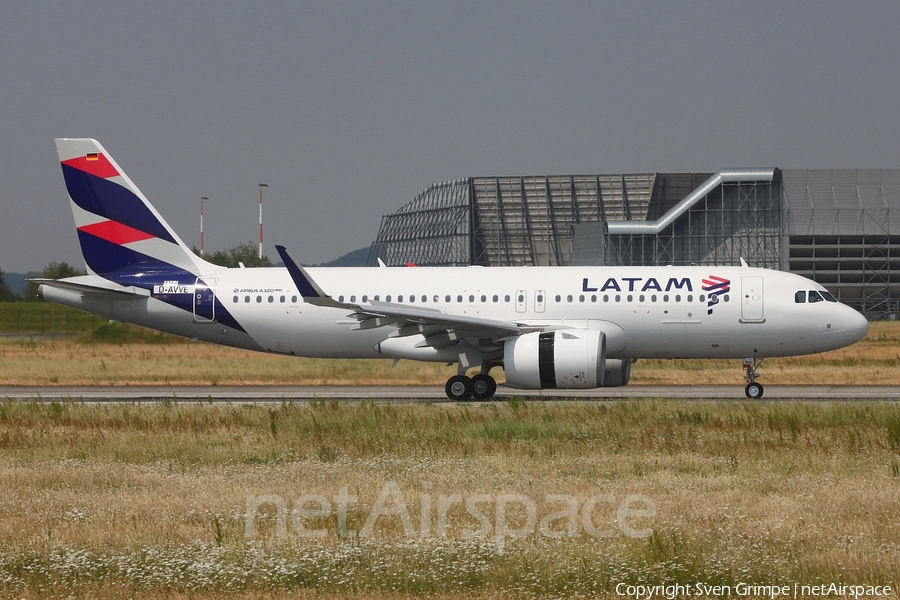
{"x":118,"y":228}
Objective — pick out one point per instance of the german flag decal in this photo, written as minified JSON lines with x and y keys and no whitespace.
{"x":94,"y":163}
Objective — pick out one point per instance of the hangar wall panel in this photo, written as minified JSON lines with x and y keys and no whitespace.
{"x":840,"y":227}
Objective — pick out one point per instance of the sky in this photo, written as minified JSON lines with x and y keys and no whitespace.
{"x":348,"y":110}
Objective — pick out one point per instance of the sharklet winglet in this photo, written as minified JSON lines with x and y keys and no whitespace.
{"x":308,"y":288}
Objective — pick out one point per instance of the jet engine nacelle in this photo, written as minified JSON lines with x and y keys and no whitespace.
{"x":618,"y":372}
{"x":567,"y":358}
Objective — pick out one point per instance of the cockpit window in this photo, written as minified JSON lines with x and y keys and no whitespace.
{"x":814,"y":296}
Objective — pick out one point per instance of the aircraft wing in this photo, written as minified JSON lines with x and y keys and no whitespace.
{"x":411,"y":320}
{"x":90,"y":285}
{"x":410,"y":315}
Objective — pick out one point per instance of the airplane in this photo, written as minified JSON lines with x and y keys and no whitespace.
{"x":547,"y":327}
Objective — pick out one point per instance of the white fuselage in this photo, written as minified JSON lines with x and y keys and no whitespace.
{"x":646,"y":312}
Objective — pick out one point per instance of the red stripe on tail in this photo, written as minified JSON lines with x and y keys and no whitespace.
{"x":116,"y":232}
{"x":94,"y":164}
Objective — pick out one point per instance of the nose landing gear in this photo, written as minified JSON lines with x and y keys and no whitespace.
{"x":753,"y":390}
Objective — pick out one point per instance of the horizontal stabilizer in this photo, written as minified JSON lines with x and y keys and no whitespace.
{"x":74,"y":285}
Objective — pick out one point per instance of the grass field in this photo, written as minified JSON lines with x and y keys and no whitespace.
{"x":42,"y":318}
{"x":122,"y":355}
{"x":152,"y":501}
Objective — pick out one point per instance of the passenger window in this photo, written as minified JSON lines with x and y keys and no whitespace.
{"x":271,"y":299}
{"x":690,"y":298}
{"x":606,"y":297}
{"x":496,"y":298}
{"x":702,"y":298}
{"x":665,"y":298}
{"x":235,"y":299}
{"x":365,"y":298}
{"x":258,"y":299}
{"x":294,"y":300}
{"x":281,"y":299}
{"x":653,"y":298}
{"x":375,"y":298}
{"x":353,"y":298}
{"x":559,"y":298}
{"x":459,"y":298}
{"x":412,"y":298}
{"x":506,"y":298}
{"x":521,"y":298}
{"x":677,"y":297}
{"x":387,"y":298}
{"x":424,"y":298}
{"x":641,"y":298}
{"x":618,"y":298}
{"x":814,"y":296}
{"x":593,"y":297}
{"x":569,"y":298}
{"x":483,"y":298}
{"x":629,"y":298}
{"x":471,"y":297}
{"x":581,"y":298}
{"x":727,"y":297}
{"x":447,"y":298}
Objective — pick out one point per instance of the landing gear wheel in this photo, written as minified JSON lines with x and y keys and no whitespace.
{"x":483,"y":386}
{"x":459,"y":388}
{"x":754,"y":390}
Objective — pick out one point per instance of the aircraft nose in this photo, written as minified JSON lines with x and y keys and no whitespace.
{"x":855,"y":324}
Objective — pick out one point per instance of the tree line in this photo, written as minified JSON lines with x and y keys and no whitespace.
{"x":243,"y":254}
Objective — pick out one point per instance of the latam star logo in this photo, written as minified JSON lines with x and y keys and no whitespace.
{"x":715,"y":287}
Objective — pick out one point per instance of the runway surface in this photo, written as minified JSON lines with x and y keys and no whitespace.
{"x":430,"y":393}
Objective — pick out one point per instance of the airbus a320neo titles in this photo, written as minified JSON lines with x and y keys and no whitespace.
{"x":547,"y":327}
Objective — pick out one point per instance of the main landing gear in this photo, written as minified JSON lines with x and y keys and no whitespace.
{"x":753,"y":390}
{"x":462,"y":388}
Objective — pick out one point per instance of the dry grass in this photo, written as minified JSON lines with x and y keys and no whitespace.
{"x":873,"y":361}
{"x":70,"y":362}
{"x":150,"y":501}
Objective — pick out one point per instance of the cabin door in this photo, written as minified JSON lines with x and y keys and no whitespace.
{"x":205,"y":300}
{"x":752,"y":299}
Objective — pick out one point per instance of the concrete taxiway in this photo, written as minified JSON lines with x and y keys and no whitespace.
{"x":276,"y":393}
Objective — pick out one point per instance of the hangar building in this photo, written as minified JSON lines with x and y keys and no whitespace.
{"x":839,"y":227}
